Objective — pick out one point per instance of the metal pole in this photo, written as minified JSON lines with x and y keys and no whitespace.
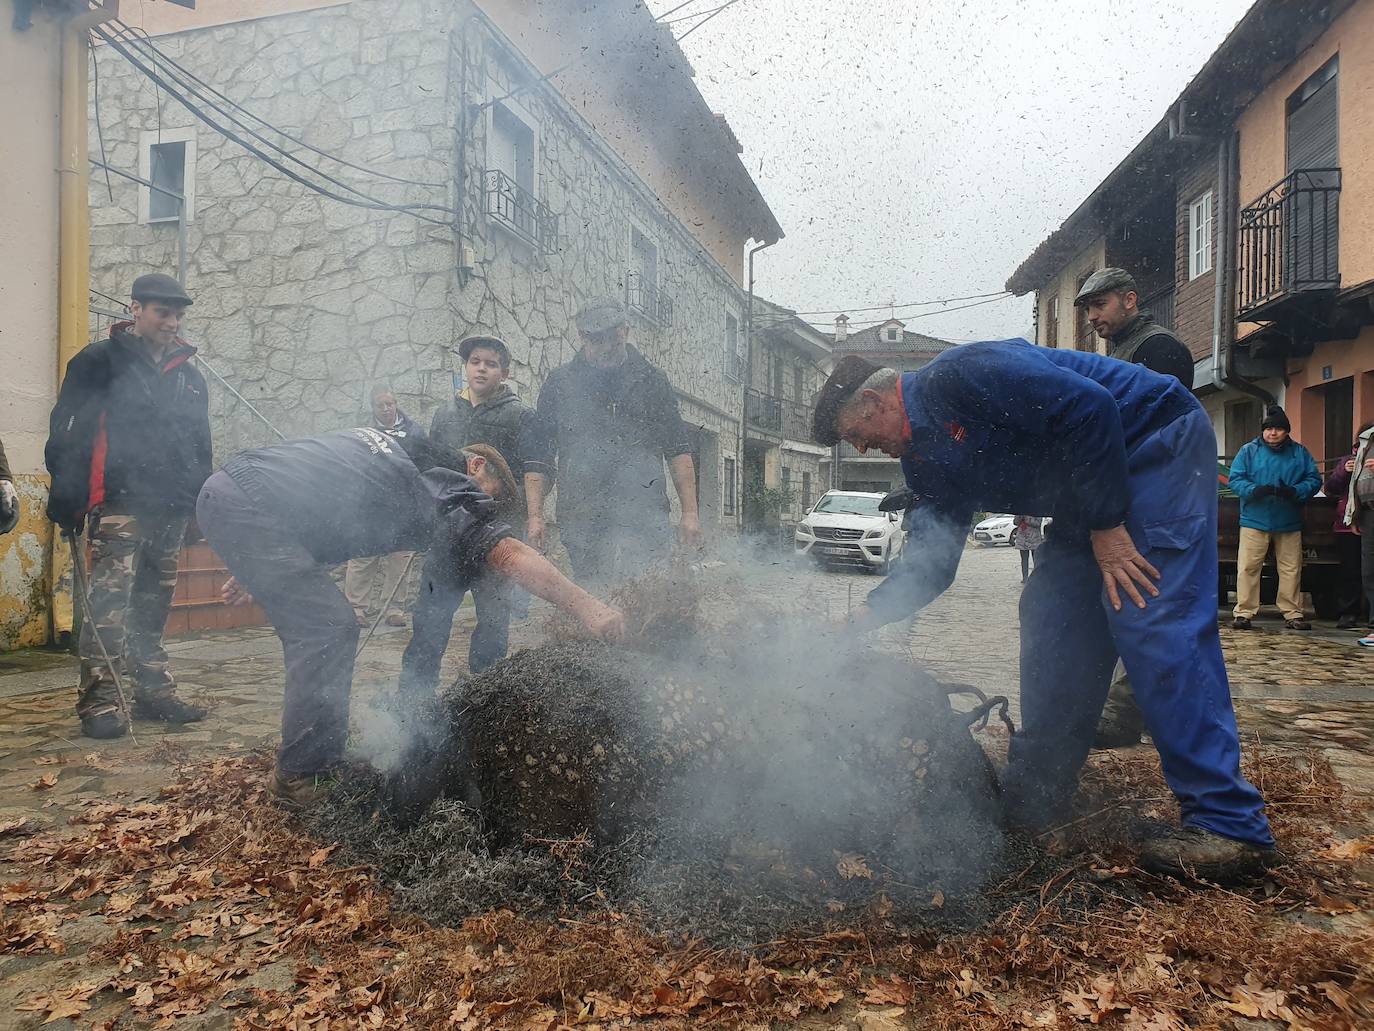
{"x":181,"y":242}
{"x":247,"y":403}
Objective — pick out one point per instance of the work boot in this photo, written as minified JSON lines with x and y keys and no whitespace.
{"x":1121,"y":722}
{"x":1242,"y":623}
{"x":1347,"y":623}
{"x":1297,"y":623}
{"x":299,"y":789}
{"x":109,"y":723}
{"x":169,"y":709}
{"x":1196,"y":852}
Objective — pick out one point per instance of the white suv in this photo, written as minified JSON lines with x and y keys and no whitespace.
{"x":846,"y":526}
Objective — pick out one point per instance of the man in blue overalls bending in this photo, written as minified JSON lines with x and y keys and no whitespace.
{"x":1124,"y":459}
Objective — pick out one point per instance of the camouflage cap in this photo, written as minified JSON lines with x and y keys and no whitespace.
{"x":850,"y":373}
{"x":601,"y":314}
{"x":1101,"y":281}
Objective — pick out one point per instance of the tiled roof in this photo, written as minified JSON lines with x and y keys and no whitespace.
{"x":871,"y":339}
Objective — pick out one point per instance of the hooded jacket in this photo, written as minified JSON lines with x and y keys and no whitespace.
{"x":501,"y":422}
{"x":1259,"y":465}
{"x":1363,"y":451}
{"x":127,"y":432}
{"x":608,"y":432}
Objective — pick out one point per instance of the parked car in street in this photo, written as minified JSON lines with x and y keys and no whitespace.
{"x":996,"y":529}
{"x":845,"y":527}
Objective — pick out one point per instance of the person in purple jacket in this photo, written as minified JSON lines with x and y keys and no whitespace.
{"x":1354,"y":608}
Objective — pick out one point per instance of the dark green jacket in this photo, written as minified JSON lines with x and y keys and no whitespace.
{"x":1143,"y":341}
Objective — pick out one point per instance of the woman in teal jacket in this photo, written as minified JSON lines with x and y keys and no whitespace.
{"x":1273,"y":476}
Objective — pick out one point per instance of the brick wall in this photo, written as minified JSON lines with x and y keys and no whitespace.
{"x":1194,"y":299}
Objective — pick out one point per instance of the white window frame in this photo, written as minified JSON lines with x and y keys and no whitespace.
{"x":734,"y":370}
{"x":632,"y":265}
{"x":146,"y":140}
{"x":522,"y":115}
{"x":1200,"y":231}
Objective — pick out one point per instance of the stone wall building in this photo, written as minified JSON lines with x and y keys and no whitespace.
{"x":551,"y":155}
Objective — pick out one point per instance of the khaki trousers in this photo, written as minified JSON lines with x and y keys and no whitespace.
{"x":1254,"y":545}
{"x":361,"y":575}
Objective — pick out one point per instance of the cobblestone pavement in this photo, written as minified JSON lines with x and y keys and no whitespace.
{"x":1295,"y":689}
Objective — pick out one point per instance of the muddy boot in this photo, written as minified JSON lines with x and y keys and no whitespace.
{"x":104,"y":723}
{"x":1122,"y":722}
{"x":299,"y":789}
{"x":168,"y":708}
{"x":1195,"y":852}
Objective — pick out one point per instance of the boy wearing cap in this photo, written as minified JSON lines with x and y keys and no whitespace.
{"x":487,"y":412}
{"x":128,"y":451}
{"x":607,"y":422}
{"x":1274,"y":476}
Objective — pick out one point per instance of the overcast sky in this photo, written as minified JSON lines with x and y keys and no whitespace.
{"x":920,"y":150}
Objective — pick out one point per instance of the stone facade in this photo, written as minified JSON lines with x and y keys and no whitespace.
{"x":303,"y":302}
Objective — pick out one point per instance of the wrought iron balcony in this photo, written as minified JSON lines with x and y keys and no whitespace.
{"x":1289,"y":245}
{"x":511,"y":205}
{"x":763,"y":411}
{"x":646,"y":299}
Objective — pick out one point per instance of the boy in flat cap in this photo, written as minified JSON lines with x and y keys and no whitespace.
{"x":607,"y":422}
{"x":128,"y":451}
{"x":1124,"y":460}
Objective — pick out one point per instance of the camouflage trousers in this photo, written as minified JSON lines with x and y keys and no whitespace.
{"x":133,"y":573}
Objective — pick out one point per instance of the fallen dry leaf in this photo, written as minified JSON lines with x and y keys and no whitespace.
{"x":938,"y":900}
{"x":1352,"y":849}
{"x":319,"y":857}
{"x":892,"y":992}
{"x":44,"y":782}
{"x":852,"y":865}
{"x":880,"y":1020}
{"x":1332,"y":904}
{"x":18,"y":826}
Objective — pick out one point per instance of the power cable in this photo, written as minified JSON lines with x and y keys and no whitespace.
{"x":140,"y":36}
{"x":363,"y":200}
{"x":258,"y":136}
{"x":722,"y":7}
{"x":902,"y":304}
{"x":920,"y":315}
{"x":99,"y":132}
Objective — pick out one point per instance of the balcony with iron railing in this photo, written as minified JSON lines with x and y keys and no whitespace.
{"x":644,"y":297}
{"x":519,"y":211}
{"x":1288,"y":246}
{"x":763,"y":411}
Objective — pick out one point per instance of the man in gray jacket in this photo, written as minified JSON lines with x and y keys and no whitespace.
{"x":282,"y":516}
{"x":1133,"y":335}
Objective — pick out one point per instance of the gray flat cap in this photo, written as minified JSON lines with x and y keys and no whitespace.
{"x":155,"y":286}
{"x":601,"y":314}
{"x":1101,"y":281}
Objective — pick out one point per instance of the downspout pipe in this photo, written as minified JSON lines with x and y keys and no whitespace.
{"x":1223,"y":315}
{"x":74,"y":225}
{"x":748,"y":374}
{"x":73,"y":249}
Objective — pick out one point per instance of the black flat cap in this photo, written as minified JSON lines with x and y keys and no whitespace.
{"x":155,"y":286}
{"x":850,"y":373}
{"x":469,"y":344}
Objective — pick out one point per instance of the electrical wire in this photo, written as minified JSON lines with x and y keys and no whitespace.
{"x":99,"y":132}
{"x":920,"y":315}
{"x":361,"y":201}
{"x":902,"y":304}
{"x":228,"y":114}
{"x":722,"y":7}
{"x":141,"y":37}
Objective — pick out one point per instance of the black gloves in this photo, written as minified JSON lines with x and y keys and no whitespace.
{"x":1274,"y":490}
{"x":1286,"y":492}
{"x":1264,"y":490}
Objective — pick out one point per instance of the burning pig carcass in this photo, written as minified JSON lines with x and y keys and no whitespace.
{"x":800,"y":748}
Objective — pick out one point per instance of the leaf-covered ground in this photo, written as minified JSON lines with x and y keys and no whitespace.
{"x":208,"y":906}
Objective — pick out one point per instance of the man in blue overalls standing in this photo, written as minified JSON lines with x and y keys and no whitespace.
{"x":1124,"y":460}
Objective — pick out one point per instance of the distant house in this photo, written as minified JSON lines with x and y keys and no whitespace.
{"x":892,"y":345}
{"x":789,"y":361}
{"x":562,"y":151}
{"x":1244,"y":214}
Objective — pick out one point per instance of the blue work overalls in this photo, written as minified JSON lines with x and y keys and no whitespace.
{"x":1094,"y":442}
